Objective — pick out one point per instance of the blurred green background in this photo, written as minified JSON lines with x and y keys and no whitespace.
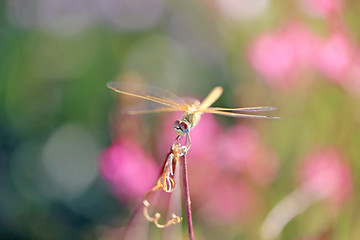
{"x":56,"y":112}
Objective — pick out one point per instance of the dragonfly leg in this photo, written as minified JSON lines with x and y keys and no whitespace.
{"x":176,"y":142}
{"x":188,"y":142}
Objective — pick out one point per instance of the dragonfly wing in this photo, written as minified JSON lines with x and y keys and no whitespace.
{"x":241,"y":115}
{"x":166,"y":204}
{"x":245,"y":109}
{"x":149,"y":93}
{"x":137,"y":227}
{"x":150,"y":108}
{"x":211,"y":98}
{"x":191,"y":101}
{"x":174,"y":232}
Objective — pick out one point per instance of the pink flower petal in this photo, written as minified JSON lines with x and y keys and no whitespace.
{"x":323,"y":7}
{"x":325,"y":172}
{"x":229,"y":202}
{"x":128,"y":169}
{"x":279,"y":56}
{"x":334,"y":57}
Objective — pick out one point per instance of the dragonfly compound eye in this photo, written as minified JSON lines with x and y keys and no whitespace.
{"x":177,"y":128}
{"x":177,"y":124}
{"x":184,"y":127}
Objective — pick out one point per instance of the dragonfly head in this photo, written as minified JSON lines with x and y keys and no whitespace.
{"x":181,"y":127}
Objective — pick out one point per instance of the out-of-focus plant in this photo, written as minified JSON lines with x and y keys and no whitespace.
{"x":128,"y":169}
{"x":324,"y":176}
{"x":56,"y":56}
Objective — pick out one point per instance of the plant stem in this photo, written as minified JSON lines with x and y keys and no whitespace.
{"x":187,"y":199}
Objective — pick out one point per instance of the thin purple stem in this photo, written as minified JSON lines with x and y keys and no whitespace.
{"x":187,"y":199}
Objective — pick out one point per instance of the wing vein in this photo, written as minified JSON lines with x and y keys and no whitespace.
{"x":171,"y":109}
{"x":244,"y":109}
{"x":231,"y":114}
{"x":143,"y":97}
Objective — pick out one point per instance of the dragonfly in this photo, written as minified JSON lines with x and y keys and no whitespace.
{"x":165,"y":101}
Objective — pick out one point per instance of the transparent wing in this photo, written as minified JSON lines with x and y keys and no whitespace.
{"x":160,"y":202}
{"x":244,"y":109}
{"x":191,"y":101}
{"x":149,"y":93}
{"x":151,"y":109}
{"x":174,"y":232}
{"x":141,"y":110}
{"x":137,"y":227}
{"x":231,"y":114}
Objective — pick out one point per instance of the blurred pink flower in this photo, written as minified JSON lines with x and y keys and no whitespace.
{"x":202,"y":177}
{"x":271,"y":56}
{"x":229,"y":201}
{"x":323,"y":7}
{"x":129,"y":170}
{"x":263,"y":168}
{"x":335,"y":57}
{"x":240,"y":150}
{"x":353,"y":83}
{"x":237,"y":146}
{"x":304,"y":43}
{"x":324,"y":173}
{"x":280,"y":55}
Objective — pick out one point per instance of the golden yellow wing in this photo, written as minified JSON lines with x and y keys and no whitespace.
{"x":165,"y":101}
{"x":244,"y":109}
{"x":232,"y":114}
